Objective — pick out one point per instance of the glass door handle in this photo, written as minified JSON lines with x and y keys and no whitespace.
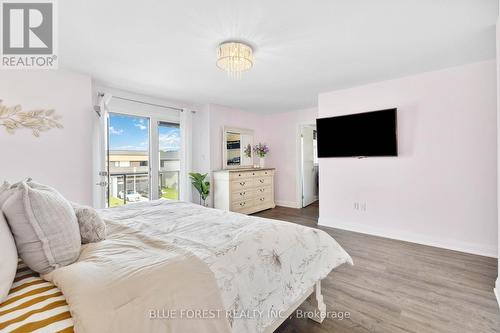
{"x":103,"y":184}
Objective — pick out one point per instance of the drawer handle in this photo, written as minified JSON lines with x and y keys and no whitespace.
{"x":242,"y":204}
{"x":239,"y":175}
{"x":262,"y":199}
{"x":253,"y":173}
{"x":242,"y":193}
{"x":242,"y":183}
{"x":261,"y":180}
{"x":261,"y":190}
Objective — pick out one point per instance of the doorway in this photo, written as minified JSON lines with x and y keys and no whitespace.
{"x":141,"y":154}
{"x":309,"y":165}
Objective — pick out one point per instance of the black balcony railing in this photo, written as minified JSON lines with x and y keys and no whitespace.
{"x":134,"y":187}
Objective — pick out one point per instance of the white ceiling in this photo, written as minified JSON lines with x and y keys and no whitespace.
{"x":167,"y":48}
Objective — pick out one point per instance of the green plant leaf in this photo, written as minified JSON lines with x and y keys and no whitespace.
{"x":199,"y":183}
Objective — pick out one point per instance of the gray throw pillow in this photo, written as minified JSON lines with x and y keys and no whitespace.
{"x":44,"y":226}
{"x":92,"y":227}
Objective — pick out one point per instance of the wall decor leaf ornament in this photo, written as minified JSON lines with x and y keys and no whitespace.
{"x":13,"y":118}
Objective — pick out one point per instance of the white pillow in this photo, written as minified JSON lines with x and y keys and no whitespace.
{"x":44,"y":226}
{"x":8,"y":264}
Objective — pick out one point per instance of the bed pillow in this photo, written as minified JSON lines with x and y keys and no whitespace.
{"x":8,"y":264}
{"x":7,"y":189}
{"x":92,"y":227}
{"x":5,"y":193}
{"x":44,"y":226}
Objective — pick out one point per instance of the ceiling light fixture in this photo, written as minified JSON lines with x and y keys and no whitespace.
{"x":234,"y":58}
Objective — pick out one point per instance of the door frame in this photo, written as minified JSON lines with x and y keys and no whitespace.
{"x":154,"y":147}
{"x":300,"y":172}
{"x":154,"y":116}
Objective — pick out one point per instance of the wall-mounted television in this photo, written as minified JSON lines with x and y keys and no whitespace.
{"x":358,"y":135}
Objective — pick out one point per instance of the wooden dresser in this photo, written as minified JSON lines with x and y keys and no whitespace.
{"x":244,"y":191}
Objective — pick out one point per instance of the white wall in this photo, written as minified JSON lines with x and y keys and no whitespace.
{"x":442,"y":189}
{"x":61,"y":158}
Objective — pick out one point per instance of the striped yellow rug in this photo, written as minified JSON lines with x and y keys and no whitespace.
{"x":34,"y":305}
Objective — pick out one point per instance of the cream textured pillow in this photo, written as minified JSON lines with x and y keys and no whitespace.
{"x":8,"y":264}
{"x":92,"y":227}
{"x":44,"y":226}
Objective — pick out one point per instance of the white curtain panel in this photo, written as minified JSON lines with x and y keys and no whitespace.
{"x":99,"y":151}
{"x":186,"y":123}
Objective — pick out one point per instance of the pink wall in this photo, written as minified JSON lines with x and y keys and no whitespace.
{"x":279,"y":131}
{"x":442,"y":189}
{"x":61,"y":158}
{"x":221,"y":116}
{"x":282,"y":135}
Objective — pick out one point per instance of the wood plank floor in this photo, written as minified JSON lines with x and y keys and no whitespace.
{"x":397,"y":286}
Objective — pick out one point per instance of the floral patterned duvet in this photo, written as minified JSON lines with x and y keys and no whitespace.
{"x":261,"y":266}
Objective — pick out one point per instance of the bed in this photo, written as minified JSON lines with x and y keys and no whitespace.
{"x":170,"y":266}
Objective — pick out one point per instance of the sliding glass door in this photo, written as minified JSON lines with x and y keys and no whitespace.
{"x":142,"y":159}
{"x":169,"y":143}
{"x":128,"y":159}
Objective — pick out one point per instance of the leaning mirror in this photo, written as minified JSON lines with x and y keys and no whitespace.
{"x":237,"y":148}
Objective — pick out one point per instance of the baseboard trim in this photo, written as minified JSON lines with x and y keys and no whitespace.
{"x":478,"y":249}
{"x":289,"y":204}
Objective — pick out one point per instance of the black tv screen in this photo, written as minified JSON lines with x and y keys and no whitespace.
{"x":358,"y":135}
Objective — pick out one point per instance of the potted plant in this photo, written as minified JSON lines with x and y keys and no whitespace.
{"x":202,"y":186}
{"x":261,"y":150}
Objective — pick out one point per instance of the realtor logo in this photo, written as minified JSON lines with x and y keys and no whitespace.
{"x":28,"y":30}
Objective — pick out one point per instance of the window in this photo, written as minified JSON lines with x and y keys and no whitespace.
{"x":169,"y":139}
{"x":128,"y":149}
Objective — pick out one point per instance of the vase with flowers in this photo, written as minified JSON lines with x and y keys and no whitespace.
{"x":261,"y":150}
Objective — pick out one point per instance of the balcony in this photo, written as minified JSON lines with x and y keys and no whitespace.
{"x":128,"y":187}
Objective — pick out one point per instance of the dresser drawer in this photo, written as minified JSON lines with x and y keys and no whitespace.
{"x":260,"y":191}
{"x":261,"y":181}
{"x":264,"y":173}
{"x":242,"y":205}
{"x":241,"y":175}
{"x":242,"y":184}
{"x":244,"y":191}
{"x":263,"y":199}
{"x":242,"y":194}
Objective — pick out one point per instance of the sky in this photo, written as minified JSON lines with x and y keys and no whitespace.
{"x":132,"y":133}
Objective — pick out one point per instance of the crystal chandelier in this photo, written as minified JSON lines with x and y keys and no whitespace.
{"x":234,"y":58}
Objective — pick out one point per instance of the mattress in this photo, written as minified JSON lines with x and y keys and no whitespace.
{"x":34,"y":305}
{"x":164,"y":263}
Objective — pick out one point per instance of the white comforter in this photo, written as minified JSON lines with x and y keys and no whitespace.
{"x":259,"y":267}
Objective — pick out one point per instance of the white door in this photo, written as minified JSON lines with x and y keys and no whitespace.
{"x":309,"y":169}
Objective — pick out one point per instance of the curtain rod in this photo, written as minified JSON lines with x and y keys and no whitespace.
{"x":152,"y":104}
